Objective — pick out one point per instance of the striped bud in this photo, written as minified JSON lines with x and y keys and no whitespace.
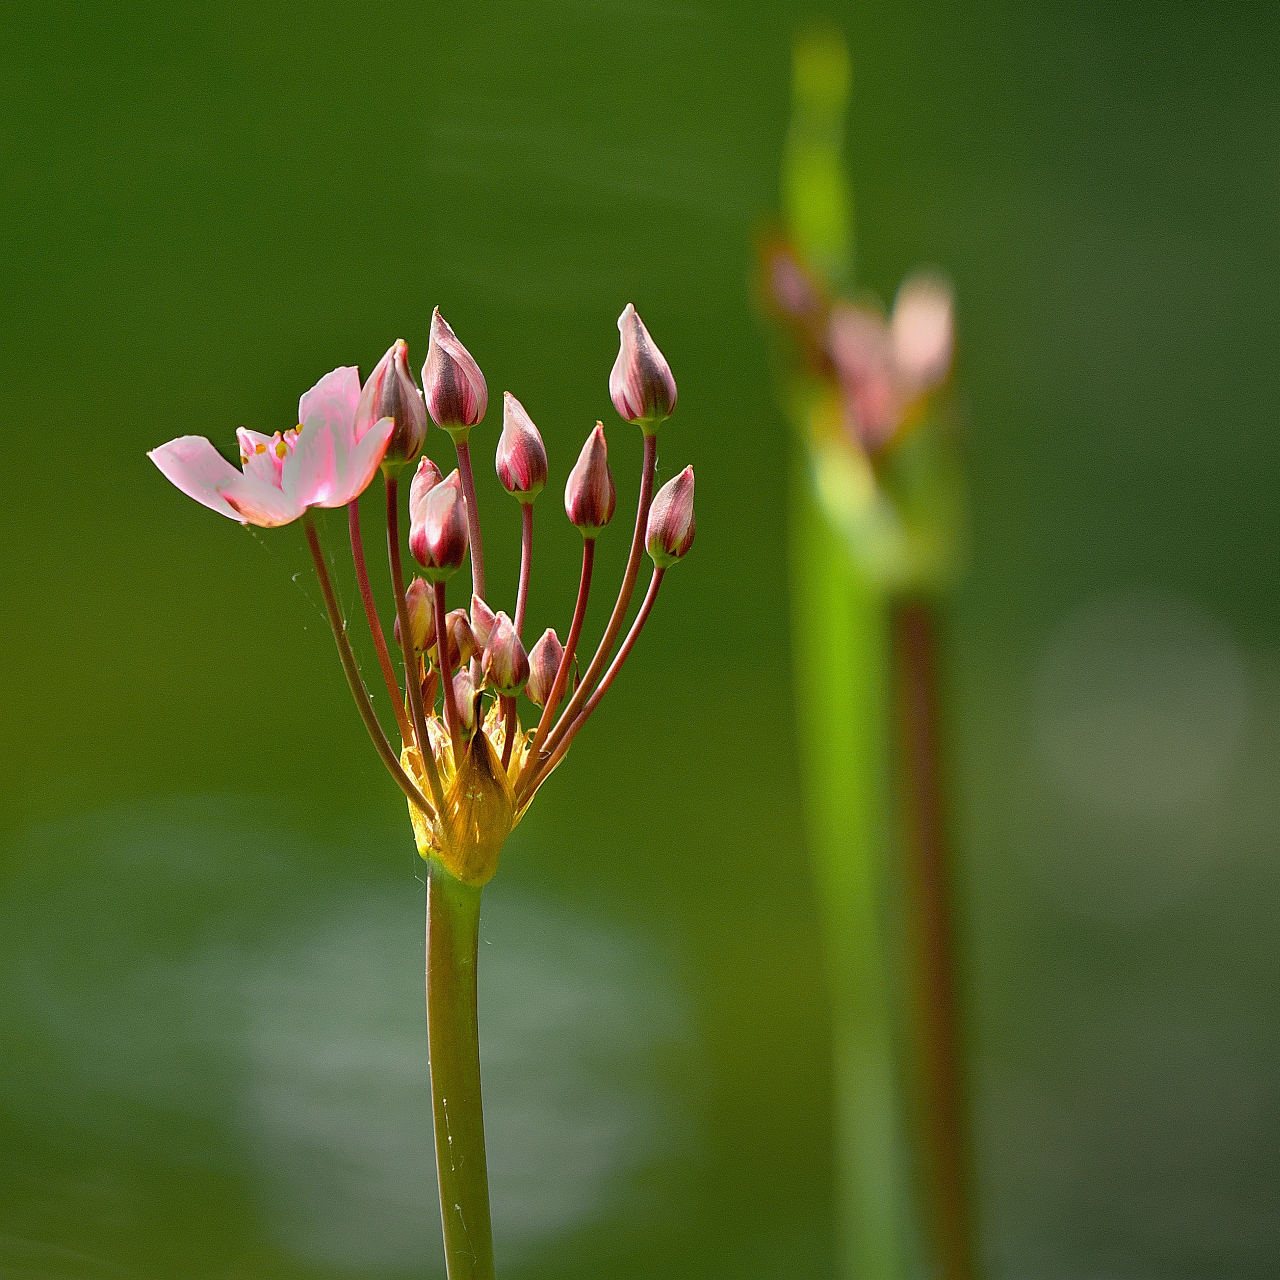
{"x":452,"y":383}
{"x":640,"y":386}
{"x":589,"y":494}
{"x":481,"y":622}
{"x":462,"y":644}
{"x":391,"y":392}
{"x":422,"y":623}
{"x":544,"y":662}
{"x":438,"y":539}
{"x":671,"y":523}
{"x":521,"y":460}
{"x":506,"y":665}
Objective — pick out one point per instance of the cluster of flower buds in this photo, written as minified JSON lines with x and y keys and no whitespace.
{"x":885,"y":368}
{"x":468,"y":764}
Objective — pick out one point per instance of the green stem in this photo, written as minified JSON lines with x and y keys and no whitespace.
{"x":841,"y":664}
{"x":453,"y":933}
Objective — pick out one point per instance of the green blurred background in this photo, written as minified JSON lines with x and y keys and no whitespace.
{"x":210,"y":911}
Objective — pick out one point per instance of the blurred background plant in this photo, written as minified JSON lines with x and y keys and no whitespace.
{"x":210,"y":1018}
{"x":875,"y":528}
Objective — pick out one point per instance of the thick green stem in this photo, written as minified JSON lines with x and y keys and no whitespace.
{"x":453,"y":932}
{"x":840,"y":646}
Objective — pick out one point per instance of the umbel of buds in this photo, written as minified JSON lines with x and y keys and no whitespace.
{"x":467,"y":765}
{"x":392,"y":393}
{"x":452,"y":383}
{"x":438,"y":539}
{"x":671,"y":522}
{"x":590,"y":495}
{"x":521,"y":460}
{"x":640,"y":386}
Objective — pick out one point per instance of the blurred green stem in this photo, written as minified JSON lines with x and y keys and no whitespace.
{"x":453,"y":934}
{"x":841,"y":663}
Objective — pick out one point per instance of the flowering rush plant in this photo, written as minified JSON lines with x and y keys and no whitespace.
{"x":468,"y":764}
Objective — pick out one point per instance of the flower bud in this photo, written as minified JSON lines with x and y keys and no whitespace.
{"x":522,"y":458}
{"x":481,"y":622}
{"x":589,"y":494}
{"x":640,"y":386}
{"x":462,"y":644}
{"x":671,"y":523}
{"x":391,"y":392}
{"x":452,"y":383}
{"x":464,"y":693}
{"x":506,"y":665}
{"x":422,"y":623}
{"x":438,"y":539}
{"x":544,"y":662}
{"x":425,"y":478}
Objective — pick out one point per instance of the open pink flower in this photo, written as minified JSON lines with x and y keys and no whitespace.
{"x":320,"y":463}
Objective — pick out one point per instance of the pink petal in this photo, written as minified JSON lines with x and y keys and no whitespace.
{"x":362,"y":463}
{"x":312,"y":471}
{"x":261,"y":503}
{"x":199,"y":470}
{"x":334,"y":399}
{"x":260,"y":455}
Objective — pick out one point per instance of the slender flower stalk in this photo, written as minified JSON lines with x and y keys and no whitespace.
{"x":467,"y":766}
{"x":619,"y":614}
{"x":358,"y":691}
{"x":412,"y":683}
{"x":555,"y":756}
{"x":375,"y":623}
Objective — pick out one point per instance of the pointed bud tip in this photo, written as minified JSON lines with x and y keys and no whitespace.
{"x":453,"y":386}
{"x":506,"y":664}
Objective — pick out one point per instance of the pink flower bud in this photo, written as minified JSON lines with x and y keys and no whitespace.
{"x":391,"y":392}
{"x":462,"y":644}
{"x":544,"y":662}
{"x":640,"y":386}
{"x":481,"y":622}
{"x":452,"y":382}
{"x":522,"y":458}
{"x":464,"y":693}
{"x":589,"y":494}
{"x":438,"y":539}
{"x":506,"y":665}
{"x":425,"y":478}
{"x":671,"y":523}
{"x":422,"y":623}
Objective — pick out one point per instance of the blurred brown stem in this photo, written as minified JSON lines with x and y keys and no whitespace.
{"x":916,"y":704}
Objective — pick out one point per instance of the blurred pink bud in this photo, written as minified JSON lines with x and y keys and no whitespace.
{"x":863,"y":356}
{"x":640,"y":386}
{"x":589,"y":494}
{"x":452,"y":383}
{"x":392,"y":393}
{"x":922,"y":331}
{"x":464,"y":692}
{"x":438,"y":539}
{"x":544,"y":662}
{"x":791,"y":287}
{"x":481,"y":621}
{"x":522,"y":458}
{"x":671,"y":523}
{"x":462,"y":644}
{"x":506,"y":665}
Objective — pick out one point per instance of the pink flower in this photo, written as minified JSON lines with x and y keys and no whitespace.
{"x":319,"y":463}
